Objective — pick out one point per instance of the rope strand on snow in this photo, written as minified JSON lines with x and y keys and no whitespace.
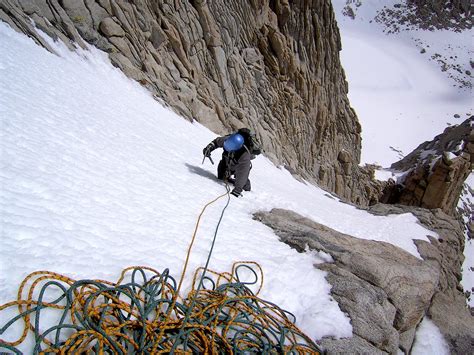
{"x":188,"y":313}
{"x":188,"y":254}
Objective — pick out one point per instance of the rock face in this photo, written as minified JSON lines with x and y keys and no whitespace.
{"x":436,"y":170}
{"x":386,"y":291}
{"x":428,"y":15}
{"x":439,"y":14}
{"x":448,"y":307}
{"x":270,"y":65}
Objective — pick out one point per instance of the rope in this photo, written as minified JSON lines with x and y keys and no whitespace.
{"x":188,"y":313}
{"x":188,"y":254}
{"x":143,"y":312}
{"x":123,"y":317}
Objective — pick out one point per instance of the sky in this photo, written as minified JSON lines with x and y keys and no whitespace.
{"x":97,"y":176}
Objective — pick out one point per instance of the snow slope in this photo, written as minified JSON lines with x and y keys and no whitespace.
{"x":400,"y":95}
{"x":96,"y":176}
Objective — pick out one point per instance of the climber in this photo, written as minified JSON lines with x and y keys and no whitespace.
{"x":239,"y":149}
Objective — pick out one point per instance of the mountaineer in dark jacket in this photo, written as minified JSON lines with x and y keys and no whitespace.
{"x":239,"y":149}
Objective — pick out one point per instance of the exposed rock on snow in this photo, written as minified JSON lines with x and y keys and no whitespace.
{"x":436,"y":170}
{"x":412,"y":16}
{"x":385,"y":290}
{"x":448,"y":308}
{"x":428,"y":15}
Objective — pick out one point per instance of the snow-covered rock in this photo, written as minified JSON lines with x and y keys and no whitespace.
{"x":385,"y":291}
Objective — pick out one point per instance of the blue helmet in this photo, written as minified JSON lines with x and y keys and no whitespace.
{"x":233,"y":142}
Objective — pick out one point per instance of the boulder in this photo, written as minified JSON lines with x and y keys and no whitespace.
{"x":110,"y":28}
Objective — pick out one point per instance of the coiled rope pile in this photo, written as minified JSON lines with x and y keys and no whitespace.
{"x":143,"y":312}
{"x":145,"y":315}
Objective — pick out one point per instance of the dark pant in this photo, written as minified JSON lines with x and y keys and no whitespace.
{"x":224,"y":174}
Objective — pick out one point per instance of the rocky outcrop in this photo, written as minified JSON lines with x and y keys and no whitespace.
{"x":435,"y":171}
{"x":466,"y":209}
{"x":386,"y":291}
{"x":448,"y":307}
{"x":428,"y":15}
{"x":271,"y":65}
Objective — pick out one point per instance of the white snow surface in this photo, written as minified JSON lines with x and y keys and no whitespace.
{"x":401,"y":97}
{"x":387,"y":174}
{"x":429,"y":340}
{"x":451,"y":155}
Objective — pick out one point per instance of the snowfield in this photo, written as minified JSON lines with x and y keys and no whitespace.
{"x":401,"y":96}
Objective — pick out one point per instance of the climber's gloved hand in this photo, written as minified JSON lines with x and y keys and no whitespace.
{"x":208,"y":149}
{"x":235,"y":193}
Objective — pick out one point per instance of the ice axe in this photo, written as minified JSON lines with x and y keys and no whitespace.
{"x":207,"y":156}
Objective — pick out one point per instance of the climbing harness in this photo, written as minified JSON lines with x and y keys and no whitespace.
{"x":143,"y":312}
